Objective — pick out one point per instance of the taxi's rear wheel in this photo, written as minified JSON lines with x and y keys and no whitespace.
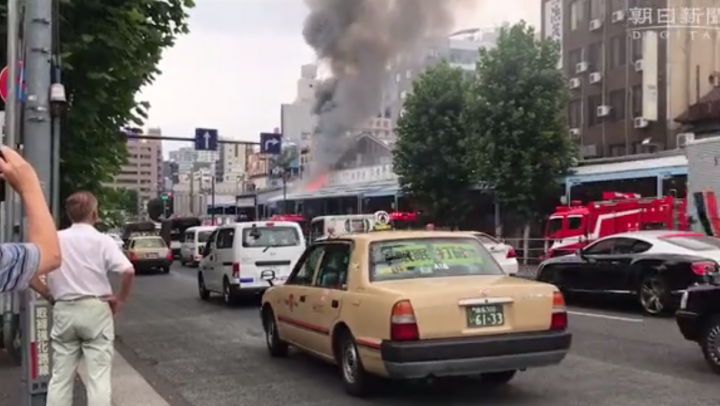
{"x":276,"y":346}
{"x":355,"y":379}
{"x":498,"y":378}
{"x":710,"y":344}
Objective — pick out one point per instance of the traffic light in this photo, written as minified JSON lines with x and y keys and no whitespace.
{"x":168,"y":204}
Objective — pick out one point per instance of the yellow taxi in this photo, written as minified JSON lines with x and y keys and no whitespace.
{"x":413,"y":305}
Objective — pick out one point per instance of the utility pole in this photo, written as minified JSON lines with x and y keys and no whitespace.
{"x":192,"y":193}
{"x":35,"y":313}
{"x":212,"y":203}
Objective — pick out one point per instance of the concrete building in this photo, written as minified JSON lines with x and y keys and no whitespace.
{"x":231,"y":163}
{"x":629,"y":82}
{"x":188,"y":158}
{"x":296,"y":118}
{"x":143,"y":170}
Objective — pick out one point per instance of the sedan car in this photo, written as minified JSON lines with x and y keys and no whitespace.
{"x":148,"y":253}
{"x":413,"y":305}
{"x":699,"y":320}
{"x":503,"y":253}
{"x":654,"y":266}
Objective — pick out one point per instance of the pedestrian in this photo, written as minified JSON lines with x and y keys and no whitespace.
{"x":84,"y":305}
{"x":20,"y":262}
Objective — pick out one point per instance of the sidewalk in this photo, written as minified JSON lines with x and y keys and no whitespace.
{"x":10,"y":391}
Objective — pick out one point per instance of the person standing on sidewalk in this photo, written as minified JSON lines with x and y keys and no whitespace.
{"x":20,"y":262}
{"x":84,"y":305}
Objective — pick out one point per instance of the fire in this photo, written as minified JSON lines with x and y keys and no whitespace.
{"x":317,"y":183}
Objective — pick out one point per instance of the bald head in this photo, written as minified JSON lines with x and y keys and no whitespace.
{"x":81,"y":207}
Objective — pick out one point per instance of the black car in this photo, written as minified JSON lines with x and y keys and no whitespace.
{"x":699,"y":320}
{"x":654,"y":266}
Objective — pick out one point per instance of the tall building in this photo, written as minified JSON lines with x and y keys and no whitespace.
{"x":297,"y":120}
{"x":143,"y":170}
{"x":231,"y":163}
{"x":187,"y":158}
{"x":633,"y":67}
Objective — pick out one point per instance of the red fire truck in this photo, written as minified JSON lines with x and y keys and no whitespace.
{"x":572,"y":227}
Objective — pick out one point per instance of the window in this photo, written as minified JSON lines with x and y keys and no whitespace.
{"x":203,"y":236}
{"x":637,"y":101}
{"x":149,"y":243}
{"x":554,"y":225}
{"x":618,"y":49}
{"x":403,"y":95}
{"x":577,"y":14}
{"x":305,"y":270}
{"x":630,"y":246}
{"x":574,"y":222}
{"x":592,"y":105}
{"x":188,"y":237}
{"x":603,"y":247}
{"x":397,"y":78}
{"x":617,"y":103}
{"x":574,"y":58}
{"x":263,"y":237}
{"x":575,"y":114}
{"x":429,"y":258}
{"x":408,"y":74}
{"x":595,"y":56}
{"x":225,"y":238}
{"x":597,"y":9}
{"x":333,"y":271}
{"x":694,"y":243}
{"x":637,"y":48}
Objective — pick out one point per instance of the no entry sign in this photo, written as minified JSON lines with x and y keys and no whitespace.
{"x":4,"y":82}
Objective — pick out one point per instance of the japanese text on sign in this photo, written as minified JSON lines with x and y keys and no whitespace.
{"x":693,"y":16}
{"x":401,"y":258}
{"x":42,"y":342}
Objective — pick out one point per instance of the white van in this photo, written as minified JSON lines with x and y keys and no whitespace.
{"x":193,"y":242}
{"x":342,"y":224}
{"x":237,"y":254}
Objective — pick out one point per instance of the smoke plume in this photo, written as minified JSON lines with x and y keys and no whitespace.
{"x":359,"y":39}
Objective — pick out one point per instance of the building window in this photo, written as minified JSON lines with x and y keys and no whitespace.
{"x":595,"y":56}
{"x":575,"y":114}
{"x":618,"y":150}
{"x":637,"y":49}
{"x":637,"y":102}
{"x":403,"y":95}
{"x":574,"y":58}
{"x":617,"y":104}
{"x":592,"y":106}
{"x":577,"y":14}
{"x":408,"y":73}
{"x":397,"y":78}
{"x":597,"y":9}
{"x":618,"y":49}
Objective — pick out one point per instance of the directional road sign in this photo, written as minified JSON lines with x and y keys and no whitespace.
{"x":4,"y":82}
{"x":206,"y":139}
{"x":270,"y":143}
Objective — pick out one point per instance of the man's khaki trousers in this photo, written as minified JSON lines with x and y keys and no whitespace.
{"x":82,"y":329}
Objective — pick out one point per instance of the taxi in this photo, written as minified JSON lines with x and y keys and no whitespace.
{"x":413,"y":305}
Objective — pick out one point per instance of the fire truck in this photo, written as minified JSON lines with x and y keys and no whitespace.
{"x":572,"y":227}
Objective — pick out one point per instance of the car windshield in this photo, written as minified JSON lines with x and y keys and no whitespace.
{"x":554,"y":225}
{"x":271,"y":237}
{"x":428,"y":258}
{"x":203,"y":236}
{"x":694,"y":243}
{"x":149,"y":243}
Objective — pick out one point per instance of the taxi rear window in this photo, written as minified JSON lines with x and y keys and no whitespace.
{"x":149,"y":243}
{"x":429,"y":257}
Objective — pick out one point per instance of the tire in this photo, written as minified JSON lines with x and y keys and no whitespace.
{"x":710,"y":344}
{"x":498,"y":378}
{"x":356,"y":381}
{"x":275,"y":345}
{"x":202,"y":289}
{"x":653,"y":294}
{"x":229,"y":297}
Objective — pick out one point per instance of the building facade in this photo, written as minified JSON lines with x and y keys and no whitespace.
{"x":232,"y":161}
{"x":188,"y":159}
{"x":143,"y":170}
{"x":632,"y":66}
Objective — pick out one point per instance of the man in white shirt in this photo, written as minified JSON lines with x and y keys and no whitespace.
{"x":84,"y":304}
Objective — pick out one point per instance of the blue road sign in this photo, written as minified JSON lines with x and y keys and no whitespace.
{"x":270,"y":143}
{"x":206,"y":139}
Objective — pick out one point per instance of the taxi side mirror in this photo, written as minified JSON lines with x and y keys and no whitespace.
{"x":268,"y":276}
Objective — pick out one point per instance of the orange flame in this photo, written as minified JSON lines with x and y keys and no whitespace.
{"x":316,"y":184}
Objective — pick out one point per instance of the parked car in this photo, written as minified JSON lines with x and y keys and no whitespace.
{"x":413,"y":305}
{"x":503,"y":253}
{"x":699,"y":320}
{"x":655,"y":266}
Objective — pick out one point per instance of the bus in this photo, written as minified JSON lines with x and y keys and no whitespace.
{"x":173,"y":229}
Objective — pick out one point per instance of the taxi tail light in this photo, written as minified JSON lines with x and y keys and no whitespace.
{"x":169,"y":255}
{"x":703,"y":268}
{"x":133,"y":256}
{"x":235,"y":270}
{"x":559,"y":319}
{"x":511,"y":253}
{"x":403,"y":325}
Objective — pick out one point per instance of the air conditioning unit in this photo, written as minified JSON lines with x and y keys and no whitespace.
{"x":595,"y":77}
{"x":574,"y":83}
{"x":684,"y":138}
{"x":618,"y":16}
{"x":595,"y":24}
{"x":581,"y":67}
{"x":603,"y":111}
{"x":575,"y":132}
{"x":638,"y":65}
{"x":640,"y":122}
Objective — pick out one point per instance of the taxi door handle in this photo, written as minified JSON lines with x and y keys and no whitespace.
{"x":334,"y":304}
{"x":302,"y":298}
{"x":614,"y":262}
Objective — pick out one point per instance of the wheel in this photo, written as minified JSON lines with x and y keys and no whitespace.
{"x":498,"y":378}
{"x":229,"y":297}
{"x":653,"y":294}
{"x":182,"y":262}
{"x":276,"y":346}
{"x":710,"y":344}
{"x":202,"y":289}
{"x":355,"y":379}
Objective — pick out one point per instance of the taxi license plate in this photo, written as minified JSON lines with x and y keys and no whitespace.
{"x":151,"y":255}
{"x":485,"y":316}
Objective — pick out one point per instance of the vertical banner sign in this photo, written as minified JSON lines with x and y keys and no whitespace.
{"x":552,"y":26}
{"x":39,"y":357}
{"x":650,"y":76}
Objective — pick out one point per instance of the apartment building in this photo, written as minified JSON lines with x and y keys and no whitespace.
{"x":633,"y":67}
{"x":143,"y":170}
{"x":187,"y":158}
{"x":232,"y":161}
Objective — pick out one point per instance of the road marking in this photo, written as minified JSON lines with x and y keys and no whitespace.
{"x":605,"y":316}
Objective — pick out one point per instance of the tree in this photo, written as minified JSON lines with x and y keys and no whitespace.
{"x":516,"y":112}
{"x":432,"y":157}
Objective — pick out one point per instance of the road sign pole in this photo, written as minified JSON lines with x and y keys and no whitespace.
{"x":36,"y":312}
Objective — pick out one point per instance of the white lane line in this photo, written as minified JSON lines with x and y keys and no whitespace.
{"x":605,"y":316}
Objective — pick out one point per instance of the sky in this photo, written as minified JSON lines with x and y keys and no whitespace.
{"x":241,"y":61}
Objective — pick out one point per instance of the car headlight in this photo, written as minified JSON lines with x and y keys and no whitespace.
{"x":684,"y":299}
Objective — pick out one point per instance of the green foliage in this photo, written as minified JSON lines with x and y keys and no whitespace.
{"x":516,"y":114}
{"x":432,"y":157}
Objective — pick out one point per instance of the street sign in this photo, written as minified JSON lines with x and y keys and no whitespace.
{"x":270,"y":143}
{"x":382,"y":217}
{"x":4,"y":82}
{"x":206,"y":139}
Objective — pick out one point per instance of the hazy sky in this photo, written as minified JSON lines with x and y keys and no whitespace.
{"x":242,"y":59}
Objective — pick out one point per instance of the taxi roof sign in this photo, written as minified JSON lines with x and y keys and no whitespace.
{"x":382,"y":217}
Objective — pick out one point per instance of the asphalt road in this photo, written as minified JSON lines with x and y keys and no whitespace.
{"x":199,"y":353}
